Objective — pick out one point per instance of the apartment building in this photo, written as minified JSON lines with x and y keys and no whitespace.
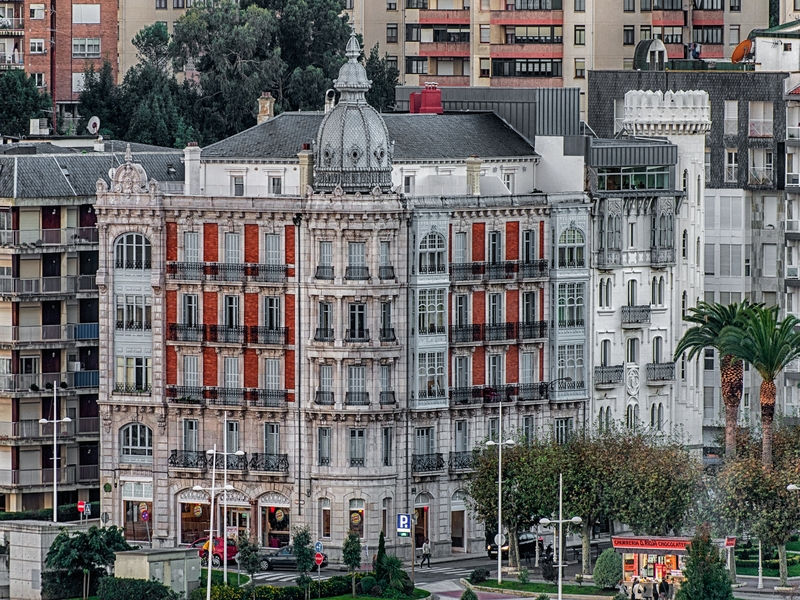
{"x":49,"y":308}
{"x":135,"y":15}
{"x":544,"y":43}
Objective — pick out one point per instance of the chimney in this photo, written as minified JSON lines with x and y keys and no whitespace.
{"x":266,"y":107}
{"x":99,"y":146}
{"x":431,"y":99}
{"x":191,"y":159}
{"x":474,"y":176}
{"x":306,"y":157}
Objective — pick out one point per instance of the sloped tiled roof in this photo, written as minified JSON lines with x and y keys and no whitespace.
{"x":416,"y":137}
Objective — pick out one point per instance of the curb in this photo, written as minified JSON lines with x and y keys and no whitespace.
{"x":524,"y":594}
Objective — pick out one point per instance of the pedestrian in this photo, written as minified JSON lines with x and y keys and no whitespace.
{"x":664,"y":588}
{"x":655,"y":590}
{"x":426,"y":553}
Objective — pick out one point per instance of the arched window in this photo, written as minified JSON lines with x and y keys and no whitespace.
{"x":685,"y":179}
{"x":571,"y":248}
{"x":422,"y":509}
{"x":608,"y":293}
{"x":660,"y":416}
{"x":602,"y":292}
{"x":654,"y":292}
{"x":685,"y":244}
{"x":608,"y":419}
{"x":632,"y":416}
{"x":661,"y":289}
{"x":132,"y":251}
{"x":605,"y":353}
{"x":356,"y":516}
{"x":653,"y":416}
{"x":632,"y":292}
{"x":658,"y":349}
{"x":683,"y":366}
{"x":136,"y":443}
{"x":602,"y":232}
{"x":431,"y":254}
{"x":632,"y":350}
{"x":684,"y":302}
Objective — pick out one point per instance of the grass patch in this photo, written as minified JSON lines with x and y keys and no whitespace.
{"x":549,"y":588}
{"x":418,"y":594}
{"x":217,"y":577}
{"x":793,"y":546}
{"x":794,"y":571}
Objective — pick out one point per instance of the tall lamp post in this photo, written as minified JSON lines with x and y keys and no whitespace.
{"x":55,"y":423}
{"x":560,"y":522}
{"x":499,"y":538}
{"x":225,"y":454}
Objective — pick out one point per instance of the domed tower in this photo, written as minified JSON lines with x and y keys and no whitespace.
{"x":353,"y":150}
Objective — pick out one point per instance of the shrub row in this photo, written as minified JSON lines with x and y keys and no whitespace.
{"x":769,"y":564}
{"x":337,"y":585}
{"x":57,"y":585}
{"x":118,"y":588}
{"x":66,"y":512}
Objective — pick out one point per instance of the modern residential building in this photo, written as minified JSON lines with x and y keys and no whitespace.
{"x":135,"y":15}
{"x":49,"y":316}
{"x":55,"y":42}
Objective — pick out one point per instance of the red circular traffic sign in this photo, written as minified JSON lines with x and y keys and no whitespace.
{"x":145,"y":515}
{"x":318,"y":558}
{"x":81,"y":506}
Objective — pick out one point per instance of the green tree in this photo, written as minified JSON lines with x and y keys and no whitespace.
{"x":769,"y":345}
{"x":304,"y":553}
{"x":608,"y":570}
{"x":152,"y":45}
{"x":710,"y":320}
{"x":706,"y":577}
{"x":384,"y":76}
{"x":351,"y":556}
{"x":101,"y":98}
{"x":380,"y":573}
{"x":22,"y":101}
{"x":306,"y":87}
{"x":247,"y":557}
{"x":85,"y":551}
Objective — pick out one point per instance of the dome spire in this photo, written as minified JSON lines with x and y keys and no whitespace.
{"x":352,"y":82}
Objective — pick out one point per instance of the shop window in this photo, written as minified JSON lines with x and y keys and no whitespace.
{"x":138,"y":497}
{"x":356,"y":517}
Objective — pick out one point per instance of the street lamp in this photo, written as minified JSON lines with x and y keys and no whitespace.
{"x":560,"y":522}
{"x":225,"y":454}
{"x":792,"y":488}
{"x":499,"y":539}
{"x":55,"y":423}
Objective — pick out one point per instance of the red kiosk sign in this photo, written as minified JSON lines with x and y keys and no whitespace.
{"x":663,"y":545}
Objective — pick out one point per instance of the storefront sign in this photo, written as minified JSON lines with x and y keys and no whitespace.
{"x":730,"y":541}
{"x":657,"y":544}
{"x":198,"y":511}
{"x":355,"y":518}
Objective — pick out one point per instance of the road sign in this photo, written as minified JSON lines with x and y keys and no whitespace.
{"x":318,"y":547}
{"x":499,"y":539}
{"x":318,"y":558}
{"x":142,"y":506}
{"x":81,"y":506}
{"x":404,"y":525}
{"x":87,"y":509}
{"x":105,"y":518}
{"x":145,"y":516}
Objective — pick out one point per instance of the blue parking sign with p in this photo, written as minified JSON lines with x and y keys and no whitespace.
{"x":403,"y":525}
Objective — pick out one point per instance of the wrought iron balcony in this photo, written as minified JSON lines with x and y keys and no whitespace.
{"x":356,"y":273}
{"x":660,"y":372}
{"x":356,"y":335}
{"x":267,"y":273}
{"x":225,"y":396}
{"x":386,"y":272}
{"x":433,"y":330}
{"x":237,"y":463}
{"x":466,"y":395}
{"x":356,"y":398}
{"x":387,"y":334}
{"x":187,"y":459}
{"x":178,"y":332}
{"x":499,"y":393}
{"x":226,"y":271}
{"x":186,"y":271}
{"x":534,"y":330}
{"x":426,"y":463}
{"x":180,"y":394}
{"x":460,"y":334}
{"x":274,"y":336}
{"x":532,"y":392}
{"x":609,"y":258}
{"x":460,"y":461}
{"x":435,"y":269}
{"x":276,"y":463}
{"x":635,"y":315}
{"x":662,"y":256}
{"x":535,"y":269}
{"x":570,"y":323}
{"x":497,"y":332}
{"x":226,"y":335}
{"x":262,"y":398}
{"x":323,"y":335}
{"x":500,"y":270}
{"x":323,"y":398}
{"x":387,"y":397}
{"x":324,"y":272}
{"x":466,"y":271}
{"x":609,"y":375}
{"x":356,"y":462}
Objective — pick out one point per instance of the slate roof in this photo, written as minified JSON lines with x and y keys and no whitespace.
{"x":58,"y":174}
{"x":416,"y":137}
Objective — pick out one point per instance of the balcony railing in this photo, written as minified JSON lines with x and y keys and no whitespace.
{"x":226,"y":335}
{"x":493,"y":394}
{"x":186,"y":271}
{"x":609,"y":258}
{"x":793,"y":179}
{"x":536,"y":269}
{"x":533,"y":331}
{"x":731,"y":174}
{"x":187,"y":459}
{"x":323,"y":398}
{"x":225,"y":396}
{"x":274,"y":336}
{"x":356,"y":398}
{"x":661,"y":371}
{"x":236,"y":463}
{"x":385,"y":272}
{"x":434,"y":269}
{"x":324,"y":272}
{"x":240,"y":272}
{"x":434,"y":392}
{"x":761,"y":176}
{"x":662,"y":256}
{"x":226,"y":272}
{"x":275,"y":463}
{"x":41,"y":286}
{"x":12,"y":60}
{"x":387,"y":334}
{"x":609,"y":375}
{"x":500,"y":270}
{"x":387,"y":397}
{"x":267,"y":273}
{"x":532,"y":392}
{"x":466,"y":395}
{"x":426,"y":463}
{"x":466,"y":271}
{"x":356,"y":273}
{"x":87,"y":473}
{"x":262,"y":398}
{"x":635,"y":314}
{"x":323,"y":335}
{"x":31,"y":429}
{"x":760,"y":128}
{"x":356,"y":335}
{"x":11,"y":23}
{"x":496,"y":332}
{"x":44,"y":382}
{"x":570,"y":323}
{"x":43,"y":334}
{"x":181,"y":394}
{"x":460,"y":461}
{"x":36,"y":238}
{"x":178,"y":332}
{"x":30,"y":478}
{"x":792,"y":133}
{"x":466,"y":333}
{"x":433,"y":330}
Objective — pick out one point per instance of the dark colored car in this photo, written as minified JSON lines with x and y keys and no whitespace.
{"x":281,"y":558}
{"x":527,"y":546}
{"x":216,"y":561}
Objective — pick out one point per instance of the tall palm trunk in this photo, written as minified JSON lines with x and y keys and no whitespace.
{"x":767,"y":394}
{"x":731,"y":377}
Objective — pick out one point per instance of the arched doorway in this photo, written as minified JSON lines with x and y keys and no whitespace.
{"x":238,"y":519}
{"x":274,"y":525}
{"x":458,"y":525}
{"x":422,"y":509}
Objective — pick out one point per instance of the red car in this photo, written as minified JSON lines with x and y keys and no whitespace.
{"x":216,"y":560}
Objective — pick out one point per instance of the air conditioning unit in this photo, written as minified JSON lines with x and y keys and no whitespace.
{"x":74,"y":367}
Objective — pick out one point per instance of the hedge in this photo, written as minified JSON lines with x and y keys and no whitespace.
{"x":57,"y":585}
{"x":338,"y":585}
{"x":66,"y":512}
{"x":768,"y":564}
{"x":118,"y":588}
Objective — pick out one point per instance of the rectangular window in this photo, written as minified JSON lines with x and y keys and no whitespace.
{"x":37,"y":11}
{"x":580,"y":35}
{"x":528,"y":246}
{"x":231,"y":308}
{"x":707,"y":34}
{"x":191,"y":247}
{"x":571,"y":304}
{"x":733,"y":35}
{"x":416,"y":66}
{"x":461,"y":440}
{"x":563,"y":430}
{"x":460,"y":248}
{"x":86,"y":48}
{"x":325,"y":254}
{"x":496,"y":376}
{"x":391,"y":5}
{"x":356,"y":378}
{"x":495,"y":312}
{"x":189,"y":312}
{"x":391,"y":33}
{"x":325,"y":517}
{"x":708,"y":402}
{"x":526,"y":67}
{"x":413,"y":33}
{"x":570,"y":364}
{"x":486,"y":35}
{"x":731,"y":108}
{"x":357,"y":254}
{"x":417,"y":4}
{"x":710,"y":257}
{"x":272,"y":438}
{"x":424,"y":440}
{"x":527,"y":368}
{"x":357,"y":319}
{"x":190,"y":435}
{"x":161,"y":4}
{"x":628,"y":35}
{"x":580,"y":5}
{"x":191,"y":371}
{"x":493,"y":429}
{"x":272,"y":312}
{"x":485,"y":67}
{"x":233,"y":436}
{"x":580,"y":68}
{"x":645,"y":32}
{"x":178,"y":4}
{"x":37,"y":46}
{"x":38,"y":79}
{"x":736,"y":5}
{"x":770,"y":252}
{"x":325,"y":316}
{"x":272,"y":373}
{"x":731,"y":166}
{"x":237,"y":185}
{"x":730,"y":260}
{"x":272,"y":246}
{"x":646,"y":6}
{"x":386,"y":446}
{"x":358,"y":447}
{"x":324,"y":446}
{"x":233,"y":249}
{"x":430,"y":373}
{"x":708,"y":359}
{"x":134,"y":375}
{"x":276,"y":185}
{"x":528,"y":307}
{"x":85,"y":14}
{"x":231,"y":377}
{"x":629,"y":5}
{"x":462,"y":310}
{"x":461,"y":377}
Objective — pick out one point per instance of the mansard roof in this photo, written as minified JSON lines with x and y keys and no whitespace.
{"x":417,"y":137}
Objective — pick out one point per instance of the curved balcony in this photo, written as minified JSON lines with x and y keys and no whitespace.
{"x":275,"y":463}
{"x":427,"y":463}
{"x":356,"y":398}
{"x":323,"y":398}
{"x":187,"y":459}
{"x":660,"y":373}
{"x":460,"y":461}
{"x":635,"y":316}
{"x":609,"y":376}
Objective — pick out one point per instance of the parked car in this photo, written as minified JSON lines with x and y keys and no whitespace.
{"x":281,"y":558}
{"x":216,"y":560}
{"x":527,"y":546}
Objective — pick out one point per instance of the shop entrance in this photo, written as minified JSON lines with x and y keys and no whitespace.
{"x":238,"y":521}
{"x":275,"y":522}
{"x":422,"y":505}
{"x":458,"y":521}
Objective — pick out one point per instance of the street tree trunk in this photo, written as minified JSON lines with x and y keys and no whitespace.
{"x":783,"y":568}
{"x":731,"y":377}
{"x":767,"y":394}
{"x":586,"y":538}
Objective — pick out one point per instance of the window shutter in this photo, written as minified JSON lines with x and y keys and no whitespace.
{"x":325,"y":254}
{"x":460,"y":248}
{"x":191,"y":371}
{"x":273,"y":249}
{"x":231,"y":372}
{"x":709,"y":259}
{"x":326,"y":378}
{"x":272,"y":438}
{"x":272,"y":374}
{"x":191,"y":247}
{"x":233,"y":254}
{"x":527,"y":367}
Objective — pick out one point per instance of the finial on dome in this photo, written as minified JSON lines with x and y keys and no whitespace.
{"x":128,"y":155}
{"x":353,"y":49}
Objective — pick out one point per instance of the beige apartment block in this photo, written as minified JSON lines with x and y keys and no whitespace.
{"x":135,"y":15}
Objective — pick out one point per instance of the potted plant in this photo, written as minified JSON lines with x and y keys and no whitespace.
{"x":34,"y":387}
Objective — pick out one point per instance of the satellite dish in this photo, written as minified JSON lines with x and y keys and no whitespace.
{"x":94,"y":125}
{"x":742,"y":50}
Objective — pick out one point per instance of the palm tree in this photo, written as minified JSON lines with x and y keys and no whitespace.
{"x":710,"y":320}
{"x":769,"y":345}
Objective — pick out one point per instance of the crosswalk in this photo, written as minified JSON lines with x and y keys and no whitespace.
{"x":453,"y":572}
{"x":287,"y":576}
